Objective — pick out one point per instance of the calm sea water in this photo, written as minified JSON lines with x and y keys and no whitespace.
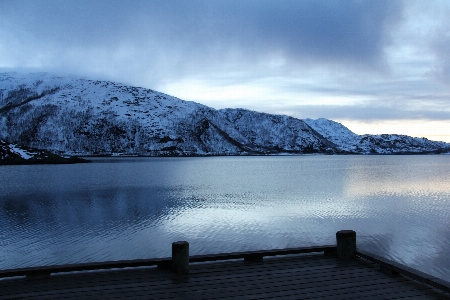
{"x":129,"y":208}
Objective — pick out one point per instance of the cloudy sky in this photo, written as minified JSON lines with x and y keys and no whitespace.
{"x":378,"y":66}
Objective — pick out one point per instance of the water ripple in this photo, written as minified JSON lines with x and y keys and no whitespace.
{"x":109,"y":211}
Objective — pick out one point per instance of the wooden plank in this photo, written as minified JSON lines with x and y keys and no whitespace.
{"x":244,"y":269}
{"x":233,"y":275}
{"x":235,"y":291}
{"x":177,"y":292}
{"x":82,"y":267}
{"x":315,"y":277}
{"x":208,"y":290}
{"x":193,"y":287}
{"x":162,"y":262}
{"x":237,"y":267}
{"x":262,"y":253}
{"x":406,"y":271}
{"x":301,"y":265}
{"x":200,"y":279}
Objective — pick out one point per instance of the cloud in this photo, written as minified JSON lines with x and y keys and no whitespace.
{"x":421,"y":41}
{"x":441,"y":50}
{"x":175,"y":38}
{"x":365,"y":113}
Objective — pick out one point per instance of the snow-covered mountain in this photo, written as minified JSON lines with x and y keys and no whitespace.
{"x":350,"y":142}
{"x":74,"y":116}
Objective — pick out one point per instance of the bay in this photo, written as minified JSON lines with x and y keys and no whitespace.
{"x":130,"y":208}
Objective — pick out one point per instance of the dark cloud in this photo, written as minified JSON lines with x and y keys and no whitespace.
{"x":352,"y":31}
{"x":203,"y":35}
{"x":441,"y":48}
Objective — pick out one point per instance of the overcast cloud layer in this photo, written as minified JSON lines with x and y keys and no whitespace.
{"x":356,"y":62}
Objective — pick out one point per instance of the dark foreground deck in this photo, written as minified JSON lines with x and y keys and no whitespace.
{"x":311,"y":276}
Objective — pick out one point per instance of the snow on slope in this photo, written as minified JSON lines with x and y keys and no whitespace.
{"x":350,"y":142}
{"x":16,"y":154}
{"x":335,"y":132}
{"x":277,"y":132}
{"x":13,"y":150}
{"x":74,"y":116}
{"x":85,"y":116}
{"x":102,"y":97}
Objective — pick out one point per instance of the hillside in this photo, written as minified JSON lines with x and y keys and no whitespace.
{"x":73,"y":116}
{"x":12,"y":154}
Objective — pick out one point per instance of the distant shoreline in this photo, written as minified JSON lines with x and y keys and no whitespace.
{"x":87,"y":158}
{"x":261,"y":155}
{"x":51,"y":161}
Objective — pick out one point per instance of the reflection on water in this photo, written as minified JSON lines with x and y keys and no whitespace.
{"x":133,"y":208}
{"x":402,"y":175}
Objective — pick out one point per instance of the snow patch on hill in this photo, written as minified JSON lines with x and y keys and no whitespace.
{"x":17,"y":154}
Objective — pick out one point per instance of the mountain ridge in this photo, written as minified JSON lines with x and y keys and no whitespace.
{"x":74,"y":116}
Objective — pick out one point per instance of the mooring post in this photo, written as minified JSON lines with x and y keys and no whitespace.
{"x":180,"y":257}
{"x":346,"y":244}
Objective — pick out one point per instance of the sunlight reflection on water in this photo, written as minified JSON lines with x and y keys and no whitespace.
{"x":133,"y":208}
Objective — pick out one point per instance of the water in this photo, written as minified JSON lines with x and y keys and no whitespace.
{"x":130,"y":208}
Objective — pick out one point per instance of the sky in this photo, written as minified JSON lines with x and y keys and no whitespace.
{"x":376,"y":66}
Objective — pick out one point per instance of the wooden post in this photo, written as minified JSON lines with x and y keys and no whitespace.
{"x":180,"y":257}
{"x":346,"y":244}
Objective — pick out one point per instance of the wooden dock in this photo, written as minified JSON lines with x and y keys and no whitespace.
{"x":297,"y":273}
